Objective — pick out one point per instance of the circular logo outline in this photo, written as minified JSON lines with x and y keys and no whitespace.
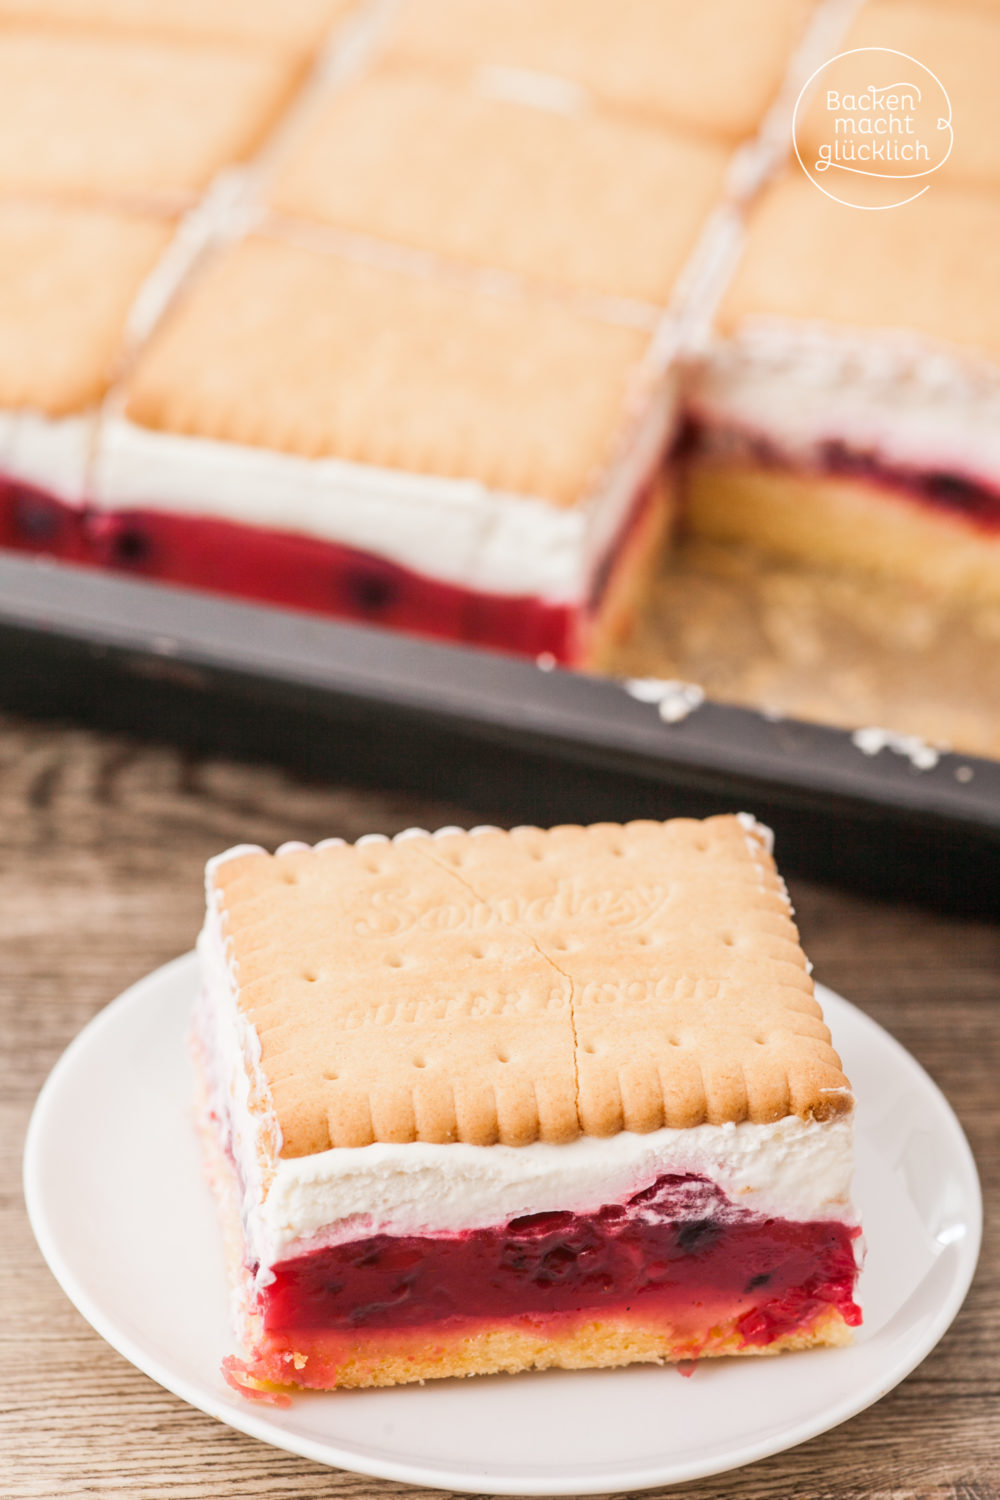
{"x":859,"y":171}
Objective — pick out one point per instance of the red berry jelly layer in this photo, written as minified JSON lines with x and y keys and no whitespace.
{"x":33,"y":521}
{"x":974,"y":500}
{"x":275,"y":567}
{"x":302,"y":572}
{"x":971,"y":498}
{"x":324,"y":577}
{"x":679,"y":1252}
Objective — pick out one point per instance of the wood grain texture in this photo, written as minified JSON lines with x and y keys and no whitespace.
{"x":103,"y":843}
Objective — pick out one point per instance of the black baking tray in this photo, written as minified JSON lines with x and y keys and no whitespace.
{"x":482,"y":730}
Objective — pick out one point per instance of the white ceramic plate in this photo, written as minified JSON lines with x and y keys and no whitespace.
{"x":116,"y":1196}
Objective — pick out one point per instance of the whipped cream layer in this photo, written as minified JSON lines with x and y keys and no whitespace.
{"x":49,"y":453}
{"x":454,"y":530}
{"x":904,"y":401}
{"x":792,"y":1168}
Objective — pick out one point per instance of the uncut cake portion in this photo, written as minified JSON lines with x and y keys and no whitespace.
{"x":713,"y":68}
{"x":69,"y":277}
{"x":362,"y":436}
{"x":848,"y":409}
{"x":103,"y":116}
{"x":494,"y":178}
{"x":489,"y":1101}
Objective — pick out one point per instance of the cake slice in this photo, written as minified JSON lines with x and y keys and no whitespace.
{"x":69,"y":276}
{"x":561,"y":196}
{"x":489,"y":1101}
{"x":714,"y":67}
{"x":105,"y":116}
{"x":848,"y":410}
{"x":366,"y":437}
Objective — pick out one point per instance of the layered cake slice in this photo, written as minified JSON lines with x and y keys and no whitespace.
{"x":110,"y":116}
{"x":372,"y":439}
{"x":848,"y":412}
{"x":492,"y":1101}
{"x":714,"y":67}
{"x":69,"y":276}
{"x":499,"y":178}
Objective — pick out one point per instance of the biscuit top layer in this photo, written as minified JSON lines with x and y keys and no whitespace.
{"x":68,"y":278}
{"x":108,"y":116}
{"x":961,"y":45}
{"x":319,"y":356}
{"x":713,"y":66}
{"x":497,"y":183}
{"x":928,"y":268}
{"x":279,"y":24}
{"x":513,"y":987}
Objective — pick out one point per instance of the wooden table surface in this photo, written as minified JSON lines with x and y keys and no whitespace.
{"x":103,"y":845}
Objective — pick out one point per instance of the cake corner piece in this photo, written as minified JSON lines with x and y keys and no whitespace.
{"x":496,"y":1101}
